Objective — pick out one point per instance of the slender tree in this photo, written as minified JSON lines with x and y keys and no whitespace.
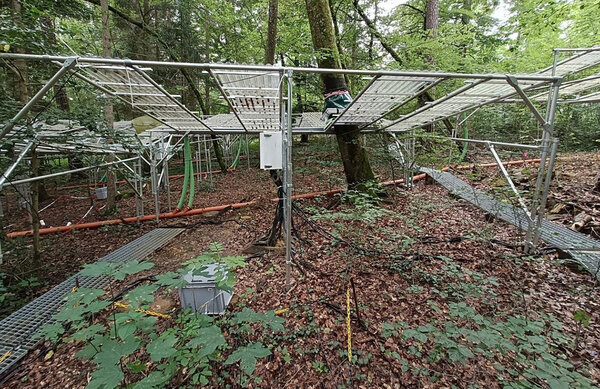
{"x":271,"y":32}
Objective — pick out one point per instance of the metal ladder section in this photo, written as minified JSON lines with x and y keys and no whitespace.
{"x":581,"y":248}
{"x":17,"y":330}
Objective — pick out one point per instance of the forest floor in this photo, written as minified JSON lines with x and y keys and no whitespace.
{"x":442,"y":295}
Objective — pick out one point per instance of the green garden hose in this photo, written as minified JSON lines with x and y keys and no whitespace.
{"x":237,"y":157}
{"x":186,"y":174}
{"x":191,"y":170}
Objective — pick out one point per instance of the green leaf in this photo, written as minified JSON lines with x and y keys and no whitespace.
{"x":141,"y":295}
{"x":247,"y":356}
{"x":170,"y":280}
{"x":273,"y":321}
{"x":209,"y":338}
{"x":87,"y":333}
{"x":162,"y":347}
{"x":98,"y":269}
{"x":156,"y":379}
{"x":50,"y":331}
{"x":137,"y":366}
{"x":131,"y":267}
{"x":112,"y":351}
{"x":582,"y":317}
{"x":106,"y":377}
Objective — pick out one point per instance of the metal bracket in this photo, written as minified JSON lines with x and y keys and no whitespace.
{"x":512,"y":81}
{"x":508,"y":179}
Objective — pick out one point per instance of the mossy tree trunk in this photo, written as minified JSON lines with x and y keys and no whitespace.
{"x":354,"y":157}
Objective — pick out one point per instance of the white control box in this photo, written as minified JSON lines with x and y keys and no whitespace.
{"x":270,"y":150}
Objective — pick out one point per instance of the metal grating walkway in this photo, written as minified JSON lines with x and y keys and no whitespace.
{"x":17,"y":330}
{"x":581,"y":248}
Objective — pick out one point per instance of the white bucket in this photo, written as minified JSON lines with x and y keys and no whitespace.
{"x":101,"y":193}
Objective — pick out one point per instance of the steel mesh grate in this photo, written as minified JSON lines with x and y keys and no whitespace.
{"x":17,"y":330}
{"x":581,"y":248}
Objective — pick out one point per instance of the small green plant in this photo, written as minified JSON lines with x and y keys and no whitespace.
{"x":582,"y":318}
{"x":134,"y":345}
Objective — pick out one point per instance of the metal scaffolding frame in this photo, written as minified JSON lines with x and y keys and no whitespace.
{"x":260,"y":98}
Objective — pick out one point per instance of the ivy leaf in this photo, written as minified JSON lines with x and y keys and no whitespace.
{"x":582,"y":317}
{"x":247,"y":356}
{"x":162,"y":347}
{"x":137,"y":366}
{"x":209,"y":338}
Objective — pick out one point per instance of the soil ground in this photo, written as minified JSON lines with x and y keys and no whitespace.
{"x":398,"y":255}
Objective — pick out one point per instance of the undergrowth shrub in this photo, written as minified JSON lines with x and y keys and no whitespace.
{"x":134,"y":346}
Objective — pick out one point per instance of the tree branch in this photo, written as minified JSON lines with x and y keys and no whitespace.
{"x":376,"y":33}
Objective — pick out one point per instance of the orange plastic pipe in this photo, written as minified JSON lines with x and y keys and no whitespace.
{"x":198,"y":211}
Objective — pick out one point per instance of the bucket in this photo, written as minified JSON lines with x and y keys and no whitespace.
{"x":101,"y":193}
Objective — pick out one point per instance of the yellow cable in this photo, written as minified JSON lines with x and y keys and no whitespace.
{"x":349,"y":329}
{"x":147,"y":312}
{"x":6,"y":355}
{"x":281,"y":311}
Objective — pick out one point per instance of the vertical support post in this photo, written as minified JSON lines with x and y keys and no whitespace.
{"x":542,"y":183}
{"x":198,"y":154}
{"x":154,"y":178}
{"x":137,"y":189}
{"x":35,"y":206}
{"x":166,"y":179}
{"x":247,"y":151}
{"x":208,"y":159}
{"x":540,"y":216}
{"x":287,"y":180}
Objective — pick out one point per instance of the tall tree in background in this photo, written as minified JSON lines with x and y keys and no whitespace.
{"x":432,"y":17}
{"x":271,"y":32}
{"x":19,"y":65}
{"x":354,"y":157}
{"x":109,"y":116}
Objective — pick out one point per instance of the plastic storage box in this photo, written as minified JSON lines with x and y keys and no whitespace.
{"x":201,"y":292}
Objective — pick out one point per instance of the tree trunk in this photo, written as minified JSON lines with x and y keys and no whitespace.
{"x":271,"y":33}
{"x":20,"y":66}
{"x":109,"y":117}
{"x":356,"y":163}
{"x":432,"y":20}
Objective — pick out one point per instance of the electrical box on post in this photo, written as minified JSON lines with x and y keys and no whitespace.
{"x":270,"y":150}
